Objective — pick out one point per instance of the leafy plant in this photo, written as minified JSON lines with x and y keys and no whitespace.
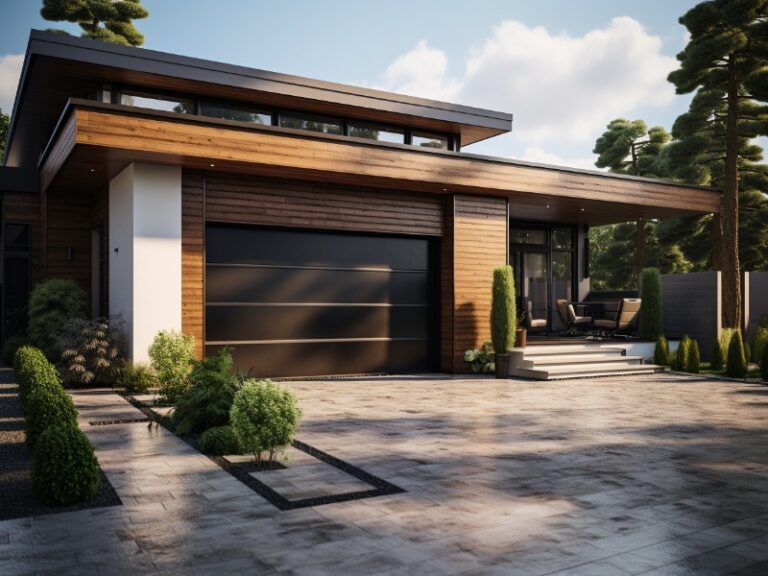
{"x":33,"y":371}
{"x":173,"y":355}
{"x":91,"y":350}
{"x":737,"y":360}
{"x":11,"y":344}
{"x":64,"y":468}
{"x":759,"y":341}
{"x":717,"y":357}
{"x":651,"y":322}
{"x":219,"y":441}
{"x":51,"y":304}
{"x":503,"y":310}
{"x":694,"y":357}
{"x":481,"y":359}
{"x":207,"y":401}
{"x":136,"y":377}
{"x":680,"y":361}
{"x":264,"y":418}
{"x":661,"y":352}
{"x":47,"y":406}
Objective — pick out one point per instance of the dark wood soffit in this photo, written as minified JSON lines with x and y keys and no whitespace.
{"x":108,"y":141}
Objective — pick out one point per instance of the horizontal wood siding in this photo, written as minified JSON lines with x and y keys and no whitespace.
{"x":446,"y":291}
{"x":69,"y":220}
{"x":193,"y":258}
{"x":479,"y":246}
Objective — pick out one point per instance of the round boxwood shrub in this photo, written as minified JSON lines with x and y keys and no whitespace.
{"x":717,"y":357}
{"x":264,"y":417}
{"x":64,"y":468}
{"x":737,"y":359}
{"x":51,"y":304}
{"x":680,"y":361}
{"x":694,"y":357}
{"x":219,"y":441}
{"x":661,"y":352}
{"x":651,"y":324}
{"x":33,"y":371}
{"x":47,"y":406}
{"x":136,"y":378}
{"x":172,"y":354}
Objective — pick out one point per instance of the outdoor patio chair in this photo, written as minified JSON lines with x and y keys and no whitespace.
{"x":626,"y":318}
{"x":534,"y":322}
{"x":568,"y":316}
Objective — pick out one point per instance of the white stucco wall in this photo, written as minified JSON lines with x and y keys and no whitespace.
{"x":145,"y":252}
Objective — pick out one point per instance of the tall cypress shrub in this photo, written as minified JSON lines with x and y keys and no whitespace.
{"x":651,"y":321}
{"x":717,"y":357}
{"x":680,"y":361}
{"x":737,"y":360}
{"x":661,"y":352}
{"x":694,"y":357}
{"x":503,"y":310}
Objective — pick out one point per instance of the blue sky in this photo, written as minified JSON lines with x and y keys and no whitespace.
{"x":564,"y":68}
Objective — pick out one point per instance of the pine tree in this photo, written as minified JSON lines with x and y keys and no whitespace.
{"x":106,"y":20}
{"x":3,"y":132}
{"x":726,"y":62}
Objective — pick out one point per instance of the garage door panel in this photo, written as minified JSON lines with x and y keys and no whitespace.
{"x":271,"y":360}
{"x":247,"y":323}
{"x":269,"y":284}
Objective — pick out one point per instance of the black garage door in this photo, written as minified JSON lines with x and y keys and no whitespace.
{"x":308,"y":303}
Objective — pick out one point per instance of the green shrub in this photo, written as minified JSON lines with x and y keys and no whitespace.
{"x":207,"y":401}
{"x":651,"y":321}
{"x":136,"y":378}
{"x":680,"y":361}
{"x":764,"y":365}
{"x":503,"y":310}
{"x":33,"y":371}
{"x":694,"y":357}
{"x":64,"y":468}
{"x":725,"y":342}
{"x":737,"y":360}
{"x":11,"y":344}
{"x":92,"y":351}
{"x":172,"y":354}
{"x":661,"y":352}
{"x":47,"y":406}
{"x":51,"y":304}
{"x":717,"y":357}
{"x":759,"y":340}
{"x":481,"y":359}
{"x":219,"y":441}
{"x":264,"y":417}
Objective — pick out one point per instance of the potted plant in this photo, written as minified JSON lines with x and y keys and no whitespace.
{"x":503,"y":318}
{"x":521,"y":334}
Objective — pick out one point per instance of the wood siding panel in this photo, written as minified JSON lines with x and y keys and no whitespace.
{"x":69,"y":221}
{"x":479,"y":246}
{"x":193,"y":258}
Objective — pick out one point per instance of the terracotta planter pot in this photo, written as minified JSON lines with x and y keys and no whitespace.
{"x":521,"y":337}
{"x":502,"y":365}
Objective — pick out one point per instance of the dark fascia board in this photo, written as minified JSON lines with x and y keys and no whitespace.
{"x":74,"y":103}
{"x":19,"y":180}
{"x":54,"y":45}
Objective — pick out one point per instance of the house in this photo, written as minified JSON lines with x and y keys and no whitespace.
{"x":318,"y":228}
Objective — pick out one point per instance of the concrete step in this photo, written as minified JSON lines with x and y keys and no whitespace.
{"x":557,"y":350}
{"x":585,"y":371}
{"x":578,"y":360}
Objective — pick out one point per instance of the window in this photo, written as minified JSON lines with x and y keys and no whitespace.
{"x":311,"y":123}
{"x":428,"y":140}
{"x":240,"y":113}
{"x":562,"y":238}
{"x":380,"y":133}
{"x":527,"y":236}
{"x":16,"y":237}
{"x":155,"y":102}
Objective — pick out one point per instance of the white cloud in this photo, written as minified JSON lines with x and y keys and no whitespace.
{"x":536,"y":154}
{"x":10,"y":70}
{"x":562,"y":89}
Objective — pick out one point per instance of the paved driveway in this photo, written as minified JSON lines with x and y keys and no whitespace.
{"x":654,"y":475}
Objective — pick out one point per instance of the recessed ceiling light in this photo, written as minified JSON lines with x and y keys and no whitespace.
{"x":93,"y":169}
{"x":582,"y":209}
{"x":212,"y":165}
{"x":547,"y":205}
{"x":445,"y":189}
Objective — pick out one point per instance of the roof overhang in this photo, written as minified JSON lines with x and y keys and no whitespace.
{"x":57,"y":67}
{"x":95,"y":141}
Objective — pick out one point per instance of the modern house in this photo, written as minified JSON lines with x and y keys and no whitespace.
{"x":318,"y":228}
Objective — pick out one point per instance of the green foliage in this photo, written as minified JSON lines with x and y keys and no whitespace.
{"x":33,"y":371}
{"x":52,"y":303}
{"x":11,"y":344}
{"x":503,"y":310}
{"x":680,"y":360}
{"x":717,"y":357}
{"x":694,"y":357}
{"x":46,"y":406}
{"x":764,"y":364}
{"x":651,"y":324}
{"x":105,"y":20}
{"x":136,"y":377}
{"x":737,"y":361}
{"x":661,"y":352}
{"x":207,"y":401}
{"x":481,"y":359}
{"x":64,"y":468}
{"x":4,"y":122}
{"x":264,"y":417}
{"x":92,"y":351}
{"x":759,"y":341}
{"x":173,"y":355}
{"x":219,"y":441}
